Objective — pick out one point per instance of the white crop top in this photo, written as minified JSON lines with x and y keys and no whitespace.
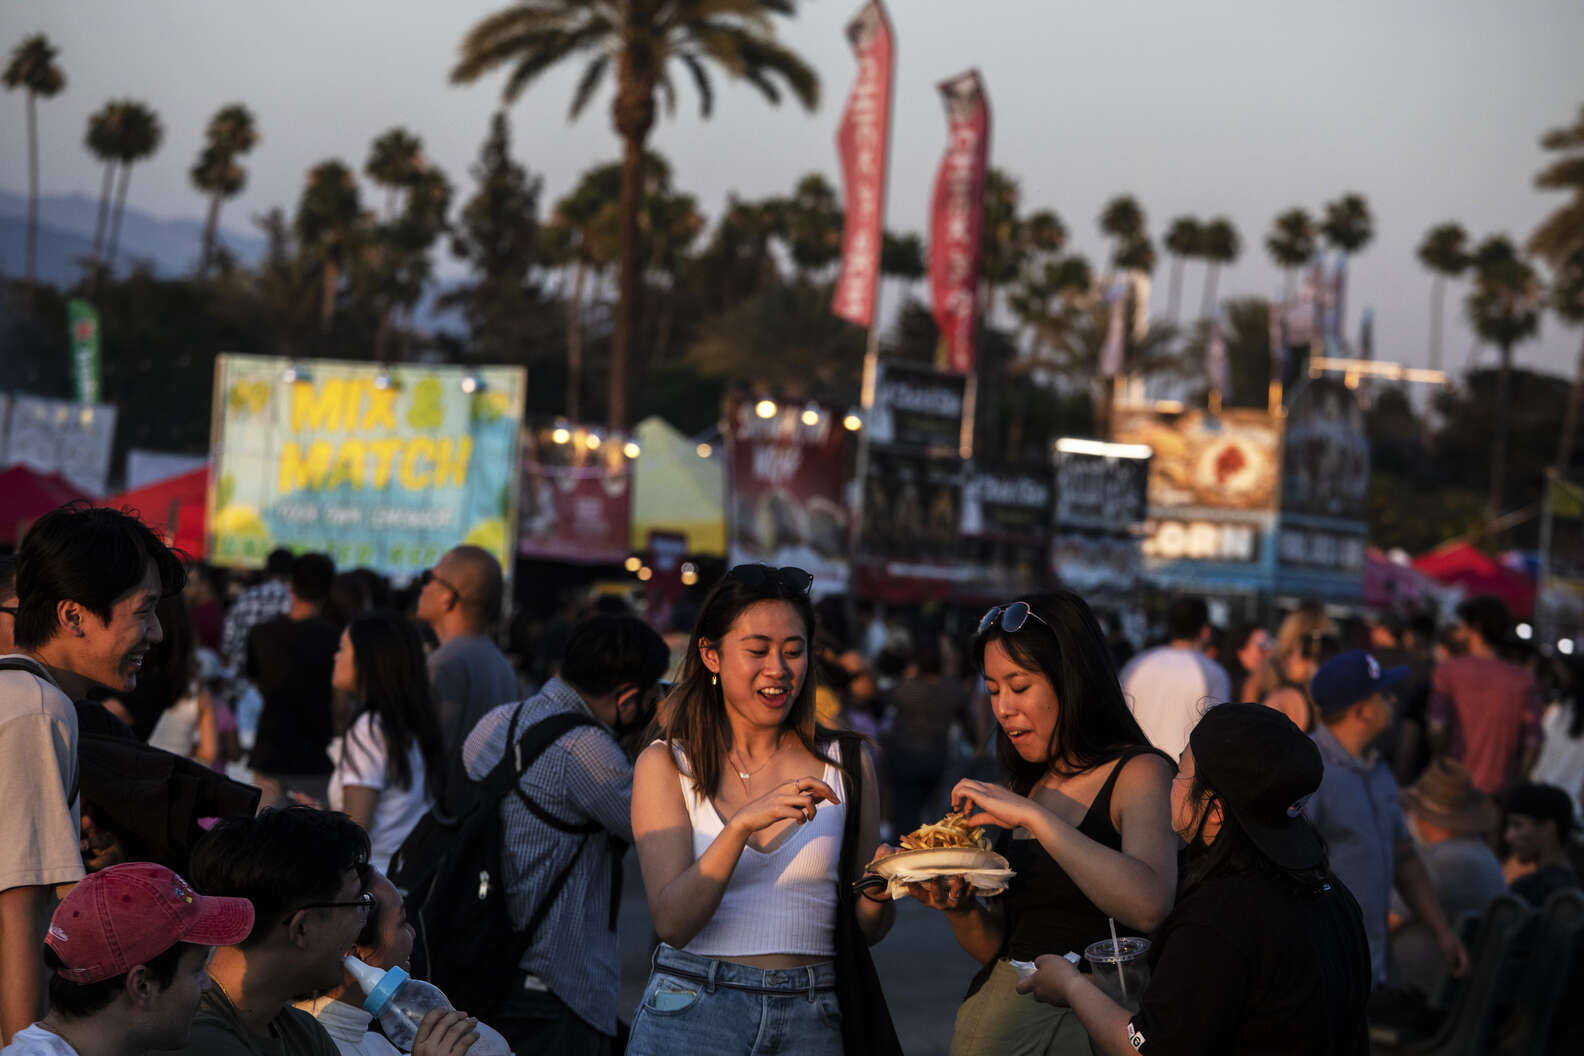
{"x":777,"y":901}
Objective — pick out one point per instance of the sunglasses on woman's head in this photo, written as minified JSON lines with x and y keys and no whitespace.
{"x":1012,"y":618}
{"x":789,"y":578}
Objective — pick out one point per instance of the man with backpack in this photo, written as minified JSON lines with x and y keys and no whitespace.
{"x":565,"y":825}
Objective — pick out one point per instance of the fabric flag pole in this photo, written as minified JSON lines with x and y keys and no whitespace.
{"x":863,"y":142}
{"x":1140,"y":284}
{"x":956,"y":214}
{"x":1275,"y":317}
{"x":83,"y":325}
{"x":1216,"y":363}
{"x":1366,"y":349}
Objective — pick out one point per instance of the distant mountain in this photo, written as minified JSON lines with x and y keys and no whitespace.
{"x":66,"y":230}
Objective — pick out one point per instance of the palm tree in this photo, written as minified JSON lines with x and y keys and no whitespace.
{"x":811,"y":225}
{"x":1291,"y":243}
{"x":1182,"y":243}
{"x":327,"y":221}
{"x":1567,"y":300}
{"x":1504,"y":309}
{"x":640,"y":38}
{"x":394,"y":160}
{"x":1122,"y":217}
{"x":232,"y":132}
{"x":140,"y":137}
{"x":902,"y":257}
{"x":1220,"y":245}
{"x":103,"y":142}
{"x":1559,"y":241}
{"x":1445,"y":252}
{"x":580,"y":232}
{"x":33,"y":69}
{"x":1347,"y":227}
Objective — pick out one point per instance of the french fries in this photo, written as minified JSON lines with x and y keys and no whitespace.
{"x":951,"y":831}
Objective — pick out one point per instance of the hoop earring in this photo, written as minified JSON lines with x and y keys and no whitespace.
{"x":714,"y":680}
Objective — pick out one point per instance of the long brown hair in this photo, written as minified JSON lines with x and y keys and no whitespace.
{"x":693,"y":717}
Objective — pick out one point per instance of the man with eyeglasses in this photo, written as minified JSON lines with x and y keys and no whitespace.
{"x":306,"y":873}
{"x":565,"y":831}
{"x":460,"y":600}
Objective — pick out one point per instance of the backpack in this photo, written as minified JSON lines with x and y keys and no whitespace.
{"x":450,"y":870}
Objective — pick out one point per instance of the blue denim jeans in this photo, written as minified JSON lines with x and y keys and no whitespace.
{"x":700,"y":1004}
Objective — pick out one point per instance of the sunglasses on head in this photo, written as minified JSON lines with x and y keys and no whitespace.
{"x":1012,"y":618}
{"x":788,"y":578}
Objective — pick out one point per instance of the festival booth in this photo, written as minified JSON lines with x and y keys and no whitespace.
{"x":1397,"y":587}
{"x":678,"y":487}
{"x":1255,"y":510}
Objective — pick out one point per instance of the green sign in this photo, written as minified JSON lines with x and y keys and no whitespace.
{"x":84,"y":325}
{"x":385,"y":470}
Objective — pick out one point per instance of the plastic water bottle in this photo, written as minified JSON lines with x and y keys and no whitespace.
{"x":400,"y":1003}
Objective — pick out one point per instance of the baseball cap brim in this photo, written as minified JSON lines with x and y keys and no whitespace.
{"x":1294,"y":845}
{"x":1391,"y":676}
{"x":219,"y":921}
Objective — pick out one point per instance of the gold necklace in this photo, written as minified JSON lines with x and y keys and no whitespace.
{"x":747,"y":775}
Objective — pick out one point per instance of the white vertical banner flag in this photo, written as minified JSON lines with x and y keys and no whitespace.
{"x":1216,"y":357}
{"x":1111,"y":354}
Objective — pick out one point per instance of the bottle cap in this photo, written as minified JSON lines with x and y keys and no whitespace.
{"x":377,"y":984}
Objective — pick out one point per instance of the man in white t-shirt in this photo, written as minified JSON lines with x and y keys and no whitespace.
{"x":129,"y":946}
{"x":1170,"y":687}
{"x":87,"y":583}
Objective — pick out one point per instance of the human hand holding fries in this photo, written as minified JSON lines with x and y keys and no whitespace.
{"x":982,"y":803}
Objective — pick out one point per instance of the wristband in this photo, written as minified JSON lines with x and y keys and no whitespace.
{"x":876,"y":901}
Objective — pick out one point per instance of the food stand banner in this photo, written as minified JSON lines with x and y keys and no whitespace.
{"x":917,"y":407}
{"x":576,"y":500}
{"x":385,"y":470}
{"x":1100,"y":492}
{"x":1228,"y":462}
{"x":785,"y":492}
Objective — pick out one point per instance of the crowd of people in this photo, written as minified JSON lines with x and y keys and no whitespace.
{"x":220,"y":789}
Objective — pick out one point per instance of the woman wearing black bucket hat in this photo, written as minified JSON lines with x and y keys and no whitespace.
{"x":1265,"y":951}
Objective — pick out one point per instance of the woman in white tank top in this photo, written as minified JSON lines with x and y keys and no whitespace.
{"x":737,"y":817}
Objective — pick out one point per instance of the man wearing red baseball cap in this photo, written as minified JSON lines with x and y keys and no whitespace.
{"x":130,"y":949}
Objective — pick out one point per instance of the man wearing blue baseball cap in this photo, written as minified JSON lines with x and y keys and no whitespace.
{"x":1356,"y":807}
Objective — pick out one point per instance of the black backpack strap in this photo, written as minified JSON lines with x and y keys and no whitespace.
{"x":850,"y":752}
{"x":540,"y":736}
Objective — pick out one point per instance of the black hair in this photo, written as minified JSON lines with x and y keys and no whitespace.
{"x":277,"y":860}
{"x":81,"y":1000}
{"x":393,"y":686}
{"x":927,"y":655}
{"x":1186,"y":618}
{"x":1093,"y":722}
{"x":8,"y":563}
{"x":348,"y":598}
{"x":1488,"y":615}
{"x":1234,"y":851}
{"x":610,"y":651}
{"x":311,"y":576}
{"x":279,"y":562}
{"x":1542,"y":803}
{"x":92,"y":555}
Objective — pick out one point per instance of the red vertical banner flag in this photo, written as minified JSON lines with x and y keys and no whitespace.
{"x":956,"y":215}
{"x":864,"y":142}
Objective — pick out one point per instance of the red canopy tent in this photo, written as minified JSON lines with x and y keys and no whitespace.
{"x":26,"y":495}
{"x":1460,"y":564}
{"x":174,"y":507}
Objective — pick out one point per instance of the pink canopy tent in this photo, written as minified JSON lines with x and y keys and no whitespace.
{"x":26,"y":495}
{"x":174,"y":507}
{"x":1460,"y":564}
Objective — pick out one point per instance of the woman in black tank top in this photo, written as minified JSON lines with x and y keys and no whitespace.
{"x":1086,"y":811}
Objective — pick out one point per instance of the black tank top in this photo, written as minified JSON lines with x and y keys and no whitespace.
{"x":1046,"y":912}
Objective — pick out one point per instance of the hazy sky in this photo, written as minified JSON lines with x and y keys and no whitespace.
{"x":1430,"y":108}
